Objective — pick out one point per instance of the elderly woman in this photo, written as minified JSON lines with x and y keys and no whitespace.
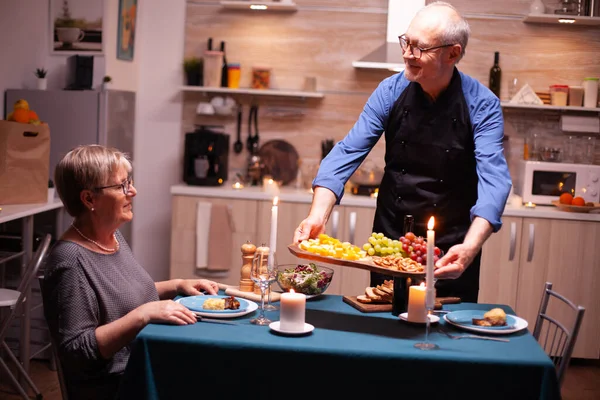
{"x":96,"y":296}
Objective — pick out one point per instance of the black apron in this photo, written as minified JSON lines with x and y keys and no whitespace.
{"x":430,"y":171}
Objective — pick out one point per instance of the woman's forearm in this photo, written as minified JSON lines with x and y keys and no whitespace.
{"x":114,"y":336}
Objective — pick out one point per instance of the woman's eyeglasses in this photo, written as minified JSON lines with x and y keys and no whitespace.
{"x":126,"y":186}
{"x":417,"y":51}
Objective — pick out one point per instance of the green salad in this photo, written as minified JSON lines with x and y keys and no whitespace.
{"x":307,"y":279}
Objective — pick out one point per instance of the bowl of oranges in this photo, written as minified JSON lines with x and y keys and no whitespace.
{"x":570,"y":203}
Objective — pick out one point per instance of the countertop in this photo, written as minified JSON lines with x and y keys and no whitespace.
{"x":293,"y":195}
{"x":11,"y":212}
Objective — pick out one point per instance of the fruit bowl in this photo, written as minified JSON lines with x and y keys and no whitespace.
{"x":309,"y":279}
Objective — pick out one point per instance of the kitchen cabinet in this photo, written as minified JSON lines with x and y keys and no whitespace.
{"x":561,"y":19}
{"x":500,"y":264}
{"x":528,"y":252}
{"x":183,"y":236}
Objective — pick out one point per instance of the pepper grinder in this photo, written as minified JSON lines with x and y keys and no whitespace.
{"x":246,"y":284}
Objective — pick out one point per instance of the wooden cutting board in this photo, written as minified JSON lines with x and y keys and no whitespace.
{"x":373,"y":308}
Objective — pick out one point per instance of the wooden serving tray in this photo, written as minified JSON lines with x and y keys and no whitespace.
{"x":366,"y":263}
{"x":387,"y":307}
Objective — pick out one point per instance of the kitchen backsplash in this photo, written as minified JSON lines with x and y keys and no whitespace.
{"x":324,"y":38}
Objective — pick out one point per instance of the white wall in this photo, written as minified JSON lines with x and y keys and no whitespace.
{"x":25,"y":46}
{"x":159,"y":50}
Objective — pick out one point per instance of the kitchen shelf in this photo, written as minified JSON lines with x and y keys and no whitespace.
{"x":506,"y":104}
{"x":255,"y":92}
{"x":555,"y":19}
{"x":260,"y":5}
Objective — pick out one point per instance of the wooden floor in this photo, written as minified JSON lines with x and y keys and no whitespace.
{"x":581,"y":383}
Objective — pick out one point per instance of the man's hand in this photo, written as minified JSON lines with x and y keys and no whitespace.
{"x":310,"y":228}
{"x":455,"y":262}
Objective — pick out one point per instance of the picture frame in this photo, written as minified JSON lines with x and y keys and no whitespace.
{"x":126,"y":33}
{"x":76,"y":27}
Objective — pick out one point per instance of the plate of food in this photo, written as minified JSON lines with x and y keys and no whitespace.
{"x":217,"y":306}
{"x":493,"y":322}
{"x":588,"y":207}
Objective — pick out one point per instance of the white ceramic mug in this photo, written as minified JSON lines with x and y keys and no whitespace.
{"x":69,"y":35}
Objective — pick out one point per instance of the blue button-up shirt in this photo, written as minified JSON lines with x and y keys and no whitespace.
{"x":488,"y":131}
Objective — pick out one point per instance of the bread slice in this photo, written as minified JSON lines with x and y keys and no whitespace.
{"x":386,"y":289}
{"x":363,"y":299}
{"x":371,"y":294}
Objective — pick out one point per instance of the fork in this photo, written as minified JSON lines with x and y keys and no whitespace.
{"x":457,"y":337}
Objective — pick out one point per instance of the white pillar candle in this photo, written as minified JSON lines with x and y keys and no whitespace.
{"x":430,"y":299}
{"x":416,"y":304}
{"x":270,"y":186}
{"x":293,"y":311}
{"x":273,"y":238}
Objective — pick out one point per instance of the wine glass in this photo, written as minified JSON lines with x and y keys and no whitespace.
{"x":262,"y":273}
{"x":429,"y":304}
{"x":269,"y":306}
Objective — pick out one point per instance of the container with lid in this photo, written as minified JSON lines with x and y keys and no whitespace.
{"x":559,"y":94}
{"x":590,"y":97}
{"x":576,"y":96}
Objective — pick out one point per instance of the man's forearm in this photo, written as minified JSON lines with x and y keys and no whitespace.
{"x":322,"y":204}
{"x":479,"y":231}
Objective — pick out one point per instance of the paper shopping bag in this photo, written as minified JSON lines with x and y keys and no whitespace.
{"x":24,"y":162}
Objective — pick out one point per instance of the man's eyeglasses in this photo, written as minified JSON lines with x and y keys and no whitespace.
{"x":126,"y":186}
{"x":417,"y":51}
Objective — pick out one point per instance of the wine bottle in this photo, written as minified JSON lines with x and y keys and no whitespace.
{"x":495,"y":75}
{"x":224,"y":77}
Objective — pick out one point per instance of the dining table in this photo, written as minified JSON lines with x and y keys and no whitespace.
{"x":349,"y":354}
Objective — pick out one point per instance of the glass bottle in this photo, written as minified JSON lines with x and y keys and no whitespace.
{"x":495,"y":75}
{"x":402,"y":284}
{"x":224,"y":74}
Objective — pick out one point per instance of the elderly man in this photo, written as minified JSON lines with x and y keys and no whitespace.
{"x":444,"y":154}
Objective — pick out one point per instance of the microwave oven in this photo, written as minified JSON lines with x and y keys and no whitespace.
{"x":543,"y":182}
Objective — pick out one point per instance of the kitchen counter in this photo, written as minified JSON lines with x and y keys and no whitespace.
{"x":293,"y":195}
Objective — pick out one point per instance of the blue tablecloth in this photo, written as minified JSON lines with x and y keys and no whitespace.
{"x":349,"y":354}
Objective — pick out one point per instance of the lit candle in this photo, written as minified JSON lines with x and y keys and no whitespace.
{"x":530,"y":205}
{"x":238,"y":185}
{"x":270,"y":187}
{"x":293,"y":311}
{"x":430,"y":300}
{"x":273,"y":241}
{"x":416,"y":303}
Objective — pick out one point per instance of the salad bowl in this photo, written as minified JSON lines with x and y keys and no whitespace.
{"x":309,"y":279}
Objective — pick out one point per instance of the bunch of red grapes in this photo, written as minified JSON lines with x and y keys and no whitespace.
{"x":415,"y":248}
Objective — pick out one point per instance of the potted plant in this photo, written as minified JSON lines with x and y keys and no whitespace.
{"x":41,"y":73}
{"x":106,"y":82}
{"x":193,"y":71}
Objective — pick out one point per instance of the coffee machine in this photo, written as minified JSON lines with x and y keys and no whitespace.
{"x":205,"y":159}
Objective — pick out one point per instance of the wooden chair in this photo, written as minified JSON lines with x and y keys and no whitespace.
{"x":14,"y":299}
{"x":558,"y":337}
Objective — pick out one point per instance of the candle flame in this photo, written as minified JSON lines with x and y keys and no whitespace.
{"x":275,"y":200}
{"x":292,"y":291}
{"x":422,"y":284}
{"x":430,"y":223}
{"x":270,"y":181}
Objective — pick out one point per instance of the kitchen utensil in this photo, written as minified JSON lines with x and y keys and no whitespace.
{"x":252,"y":141}
{"x":214,"y":321}
{"x":238,"y":146}
{"x":470,"y":336}
{"x":280,"y":160}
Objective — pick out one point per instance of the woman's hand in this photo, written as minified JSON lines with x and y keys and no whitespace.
{"x":166,"y":311}
{"x":192,"y":287}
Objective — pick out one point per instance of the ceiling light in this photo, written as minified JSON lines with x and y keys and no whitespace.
{"x":566,"y":21}
{"x":258,"y":7}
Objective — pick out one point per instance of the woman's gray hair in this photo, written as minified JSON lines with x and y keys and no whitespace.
{"x":457,"y":30}
{"x":86,"y":167}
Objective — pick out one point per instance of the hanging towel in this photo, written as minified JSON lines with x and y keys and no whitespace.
{"x":203,"y":217}
{"x":220,"y":238}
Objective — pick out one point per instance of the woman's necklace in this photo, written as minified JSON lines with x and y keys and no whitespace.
{"x":96,"y":243}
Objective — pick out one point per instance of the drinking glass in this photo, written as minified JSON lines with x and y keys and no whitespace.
{"x":269,"y":306}
{"x":262,"y":273}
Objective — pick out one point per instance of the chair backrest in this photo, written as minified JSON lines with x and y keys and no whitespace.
{"x":54,"y":348}
{"x":557,"y":338}
{"x":26,"y":280}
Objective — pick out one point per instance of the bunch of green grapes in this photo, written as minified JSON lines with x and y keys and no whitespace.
{"x":379,"y":245}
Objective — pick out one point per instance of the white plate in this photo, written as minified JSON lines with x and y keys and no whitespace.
{"x":519,"y":325}
{"x":252,"y":306}
{"x":276,"y":327}
{"x":432,"y":319}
